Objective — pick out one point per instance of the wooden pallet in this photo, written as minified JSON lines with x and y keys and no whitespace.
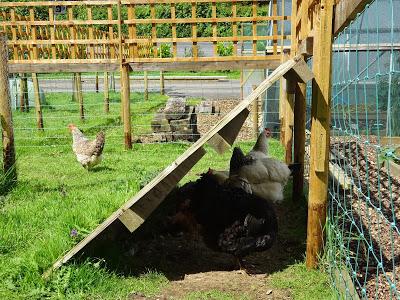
{"x":221,"y":137}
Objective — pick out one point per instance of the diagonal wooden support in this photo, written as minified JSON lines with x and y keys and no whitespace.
{"x":300,"y":72}
{"x":136,"y":210}
{"x":224,"y":139}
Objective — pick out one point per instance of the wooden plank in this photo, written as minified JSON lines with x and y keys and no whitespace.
{"x":173,"y":20}
{"x":275,"y":25}
{"x":219,"y":144}
{"x":306,"y":47}
{"x":154,"y":192}
{"x":205,"y":65}
{"x":340,"y":176}
{"x":106,"y":94}
{"x":320,"y":134}
{"x":393,"y":168}
{"x":131,"y":220}
{"x":232,"y":128}
{"x":345,"y":284}
{"x":38,"y":107}
{"x":254,"y":28}
{"x":49,"y":67}
{"x":300,"y":73}
{"x":255,"y":115}
{"x":346,"y":11}
{"x":105,"y":2}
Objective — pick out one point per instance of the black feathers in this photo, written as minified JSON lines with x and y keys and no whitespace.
{"x":232,"y":220}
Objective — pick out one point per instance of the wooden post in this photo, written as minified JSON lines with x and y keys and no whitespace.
{"x":287,"y":115}
{"x":112,"y":79}
{"x":299,"y":139}
{"x":125,"y":97}
{"x":23,"y":92}
{"x":5,"y":113}
{"x":38,"y":107}
{"x":162,"y":86}
{"x":79,"y":95}
{"x":289,"y":96}
{"x":146,"y":85}
{"x":320,"y":134}
{"x":255,"y":114}
{"x":97,"y":82}
{"x":106,"y":94}
{"x":74,"y":97}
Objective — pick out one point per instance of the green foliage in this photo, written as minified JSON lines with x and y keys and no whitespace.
{"x":165,"y":50}
{"x":225,"y":49}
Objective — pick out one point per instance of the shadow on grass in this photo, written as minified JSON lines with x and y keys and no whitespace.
{"x":152,"y":247}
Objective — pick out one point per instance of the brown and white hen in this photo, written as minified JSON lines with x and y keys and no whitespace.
{"x":88,"y":153}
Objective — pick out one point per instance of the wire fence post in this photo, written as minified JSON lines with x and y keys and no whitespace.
{"x":146,"y":85}
{"x":162,"y":85}
{"x":38,"y":107}
{"x":5,"y":113}
{"x":97,"y":82}
{"x":320,"y":133}
{"x":126,"y":108}
{"x":106,"y":94}
{"x":79,"y":95}
{"x":23,"y":93}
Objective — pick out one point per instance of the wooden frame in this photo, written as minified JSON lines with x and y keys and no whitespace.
{"x":71,"y":42}
{"x":135,"y":211}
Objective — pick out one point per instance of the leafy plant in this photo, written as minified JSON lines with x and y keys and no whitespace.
{"x":165,"y":50}
{"x":225,"y":49}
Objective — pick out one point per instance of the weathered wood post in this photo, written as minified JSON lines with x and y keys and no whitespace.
{"x":125,"y":86}
{"x":106,"y":94}
{"x":23,"y":92}
{"x":97,"y":82}
{"x":255,"y":114}
{"x":320,"y":134}
{"x":38,"y":106}
{"x":146,"y":85}
{"x":125,"y":94}
{"x":162,"y":85}
{"x":287,"y":98}
{"x":79,"y":95}
{"x":299,"y":139}
{"x":73,"y":96}
{"x":5,"y":113}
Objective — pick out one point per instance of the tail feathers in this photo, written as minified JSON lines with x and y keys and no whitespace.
{"x":251,"y":244}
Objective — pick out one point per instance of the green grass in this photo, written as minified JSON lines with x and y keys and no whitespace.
{"x":55,"y":195}
{"x":303,"y":284}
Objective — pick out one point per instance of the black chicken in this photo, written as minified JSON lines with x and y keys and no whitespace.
{"x":230,"y":219}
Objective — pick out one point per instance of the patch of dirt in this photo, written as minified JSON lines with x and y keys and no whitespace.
{"x":235,"y":283}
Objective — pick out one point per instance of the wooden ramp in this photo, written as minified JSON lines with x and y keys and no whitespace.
{"x":135,"y":211}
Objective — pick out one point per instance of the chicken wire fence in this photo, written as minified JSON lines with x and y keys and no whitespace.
{"x":194,"y":105}
{"x":363,"y":243}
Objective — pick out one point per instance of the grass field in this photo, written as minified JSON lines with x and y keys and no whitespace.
{"x":55,"y":195}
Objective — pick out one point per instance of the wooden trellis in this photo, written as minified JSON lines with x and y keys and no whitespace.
{"x":113,"y":38}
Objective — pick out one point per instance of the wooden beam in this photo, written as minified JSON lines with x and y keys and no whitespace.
{"x":205,"y":66}
{"x":300,"y":73}
{"x":5,"y":113}
{"x":255,"y":114}
{"x":346,"y":11}
{"x":79,"y":95}
{"x":320,"y":134}
{"x":219,"y":144}
{"x":57,"y":66}
{"x":299,"y":139}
